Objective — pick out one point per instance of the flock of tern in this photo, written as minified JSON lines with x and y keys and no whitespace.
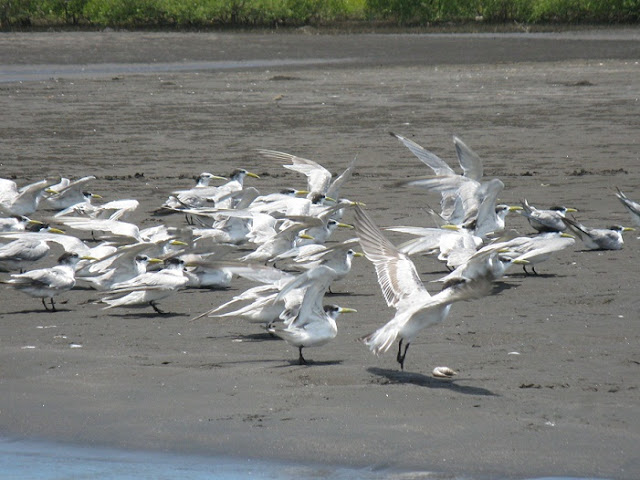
{"x":281,"y":241}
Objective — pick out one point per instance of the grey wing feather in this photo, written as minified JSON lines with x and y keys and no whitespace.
{"x":469,"y":160}
{"x":397,"y":274}
{"x":430,"y":159}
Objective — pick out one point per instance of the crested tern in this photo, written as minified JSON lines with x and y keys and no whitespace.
{"x":529,"y":251}
{"x":402,"y":289}
{"x":312,"y":323}
{"x":545,"y":220}
{"x":598,"y":238}
{"x":26,"y":248}
{"x":46,"y":283}
{"x":71,"y":194}
{"x":149,"y":287}
{"x":24,"y":200}
{"x":122,"y":270}
{"x":17,"y":223}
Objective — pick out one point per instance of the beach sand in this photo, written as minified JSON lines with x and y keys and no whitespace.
{"x":549,"y":366}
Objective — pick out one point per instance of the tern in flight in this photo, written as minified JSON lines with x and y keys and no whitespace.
{"x":402,"y":289}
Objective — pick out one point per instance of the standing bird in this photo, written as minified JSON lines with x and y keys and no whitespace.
{"x":598,"y":238}
{"x":47,"y":282}
{"x":402,"y":289}
{"x":311,"y":324}
{"x":148,"y":288}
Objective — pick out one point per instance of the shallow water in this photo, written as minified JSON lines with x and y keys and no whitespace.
{"x":24,"y":460}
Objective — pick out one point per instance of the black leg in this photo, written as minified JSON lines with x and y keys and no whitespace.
{"x":301,"y":358}
{"x":402,"y":355}
{"x":53,"y":305}
{"x":524,"y":267}
{"x":155,"y":307}
{"x":533,"y":269}
{"x":45,"y":304}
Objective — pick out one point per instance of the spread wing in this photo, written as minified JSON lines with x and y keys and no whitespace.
{"x":397,"y":274}
{"x":430,"y":159}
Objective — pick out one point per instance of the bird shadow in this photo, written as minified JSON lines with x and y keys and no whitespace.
{"x":148,"y":315}
{"x":84,"y":288}
{"x":256,"y":337}
{"x":310,"y":363}
{"x":402,"y":377}
{"x":535,"y":275}
{"x":348,"y":294}
{"x":499,"y":287}
{"x":37,"y":311}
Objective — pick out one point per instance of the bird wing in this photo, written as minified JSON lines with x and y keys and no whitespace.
{"x":113,"y":227}
{"x":458,"y":290}
{"x":633,"y":207}
{"x":486,"y":214}
{"x":311,"y":309}
{"x":318,"y":177}
{"x":430,"y":159}
{"x":547,"y":245}
{"x":45,"y":277}
{"x":334,"y":189}
{"x":396,"y":272}
{"x":150,"y":281}
{"x":577,"y":228}
{"x":22,"y":249}
{"x":8,"y":190}
{"x":469,"y":160}
{"x":117,"y":209}
{"x":75,"y":185}
{"x":68,"y":242}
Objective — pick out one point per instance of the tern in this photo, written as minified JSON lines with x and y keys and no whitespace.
{"x":114,"y":210}
{"x":402,"y":289}
{"x":148,"y":288}
{"x":22,"y":201}
{"x":453,"y":244}
{"x":311,"y":327}
{"x":454,"y":188}
{"x":71,"y":194}
{"x":490,"y":264}
{"x":312,"y":323}
{"x":277,"y":244}
{"x":598,"y":238}
{"x":26,"y":249}
{"x":121,"y":270}
{"x":545,"y":220}
{"x":318,"y":177}
{"x":47,"y":282}
{"x":529,"y":251}
{"x":17,"y":223}
{"x":192,"y":197}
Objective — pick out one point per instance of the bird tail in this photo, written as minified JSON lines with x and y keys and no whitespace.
{"x":526,"y":208}
{"x":575,"y":227}
{"x":380,"y":340}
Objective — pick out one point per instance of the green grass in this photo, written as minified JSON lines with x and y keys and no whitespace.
{"x":327,"y":13}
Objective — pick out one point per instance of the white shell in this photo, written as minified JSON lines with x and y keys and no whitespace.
{"x":443,"y":372}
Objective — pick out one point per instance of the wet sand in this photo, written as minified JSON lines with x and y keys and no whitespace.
{"x":556,"y":117}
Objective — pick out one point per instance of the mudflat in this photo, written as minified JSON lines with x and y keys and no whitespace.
{"x":548,"y":367}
